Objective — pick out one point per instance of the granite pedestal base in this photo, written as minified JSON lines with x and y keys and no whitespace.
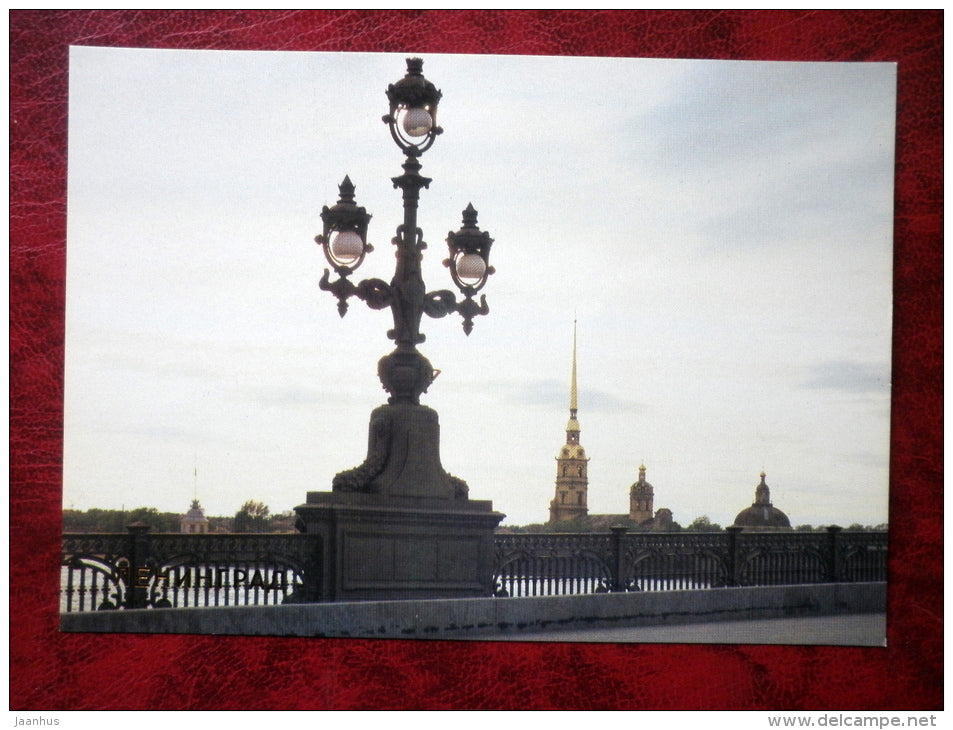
{"x":381,"y":547}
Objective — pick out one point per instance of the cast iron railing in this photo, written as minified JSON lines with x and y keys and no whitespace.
{"x":143,"y":570}
{"x":570,"y":563}
{"x":138,"y":569}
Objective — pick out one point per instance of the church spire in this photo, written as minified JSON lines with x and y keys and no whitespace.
{"x":572,"y":428}
{"x":573,"y":405}
{"x":572,"y":484}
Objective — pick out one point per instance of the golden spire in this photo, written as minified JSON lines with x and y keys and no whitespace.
{"x":572,"y":390}
{"x":572,"y":428}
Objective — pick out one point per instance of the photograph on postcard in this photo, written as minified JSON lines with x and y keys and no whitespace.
{"x":477,"y":347}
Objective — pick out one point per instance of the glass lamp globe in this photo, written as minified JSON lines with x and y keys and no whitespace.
{"x":417,"y":122}
{"x":346,"y":246}
{"x":470,"y":268}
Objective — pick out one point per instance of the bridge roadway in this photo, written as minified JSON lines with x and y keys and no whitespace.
{"x":868,"y":629}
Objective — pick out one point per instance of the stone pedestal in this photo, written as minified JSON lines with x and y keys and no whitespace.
{"x":398,"y":526}
{"x":385,"y":547}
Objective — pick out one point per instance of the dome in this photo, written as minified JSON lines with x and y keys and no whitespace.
{"x":641,"y":486}
{"x":762,"y":515}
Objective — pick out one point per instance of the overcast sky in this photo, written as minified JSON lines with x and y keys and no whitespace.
{"x":721,"y":231}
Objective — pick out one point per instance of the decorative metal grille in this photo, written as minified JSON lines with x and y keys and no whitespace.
{"x":142,"y":570}
{"x":546,"y":565}
{"x":562,"y":564}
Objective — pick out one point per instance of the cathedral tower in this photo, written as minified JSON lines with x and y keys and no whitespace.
{"x":572,"y":482}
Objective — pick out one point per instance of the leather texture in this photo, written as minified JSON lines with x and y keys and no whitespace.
{"x":54,"y":671}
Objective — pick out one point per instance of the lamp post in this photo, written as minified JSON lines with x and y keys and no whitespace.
{"x":405,"y":373}
{"x":398,"y":525}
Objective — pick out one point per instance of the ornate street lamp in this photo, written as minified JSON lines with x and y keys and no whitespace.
{"x":412,"y":120}
{"x":413,"y":110}
{"x":469,"y":265}
{"x":344,"y":239}
{"x":399,"y":525}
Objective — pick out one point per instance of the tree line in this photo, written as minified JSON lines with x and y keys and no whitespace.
{"x":253,"y":516}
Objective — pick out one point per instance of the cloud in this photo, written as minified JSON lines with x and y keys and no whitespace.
{"x":754,"y":154}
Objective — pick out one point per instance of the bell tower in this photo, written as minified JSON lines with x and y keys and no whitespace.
{"x":572,"y":481}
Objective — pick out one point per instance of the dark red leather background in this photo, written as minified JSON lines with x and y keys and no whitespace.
{"x":53,"y":671}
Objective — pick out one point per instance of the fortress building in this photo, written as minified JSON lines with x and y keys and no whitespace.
{"x":572,"y":481}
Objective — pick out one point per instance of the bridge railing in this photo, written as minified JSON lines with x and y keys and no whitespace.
{"x":138,"y":569}
{"x":561,"y":564}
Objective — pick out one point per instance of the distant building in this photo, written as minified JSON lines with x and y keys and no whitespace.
{"x":569,"y":507}
{"x":662,"y":522}
{"x":642,"y":511}
{"x":572,"y":481}
{"x":194,"y":522}
{"x":641,"y":499}
{"x":571,"y":502}
{"x":762,"y":515}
